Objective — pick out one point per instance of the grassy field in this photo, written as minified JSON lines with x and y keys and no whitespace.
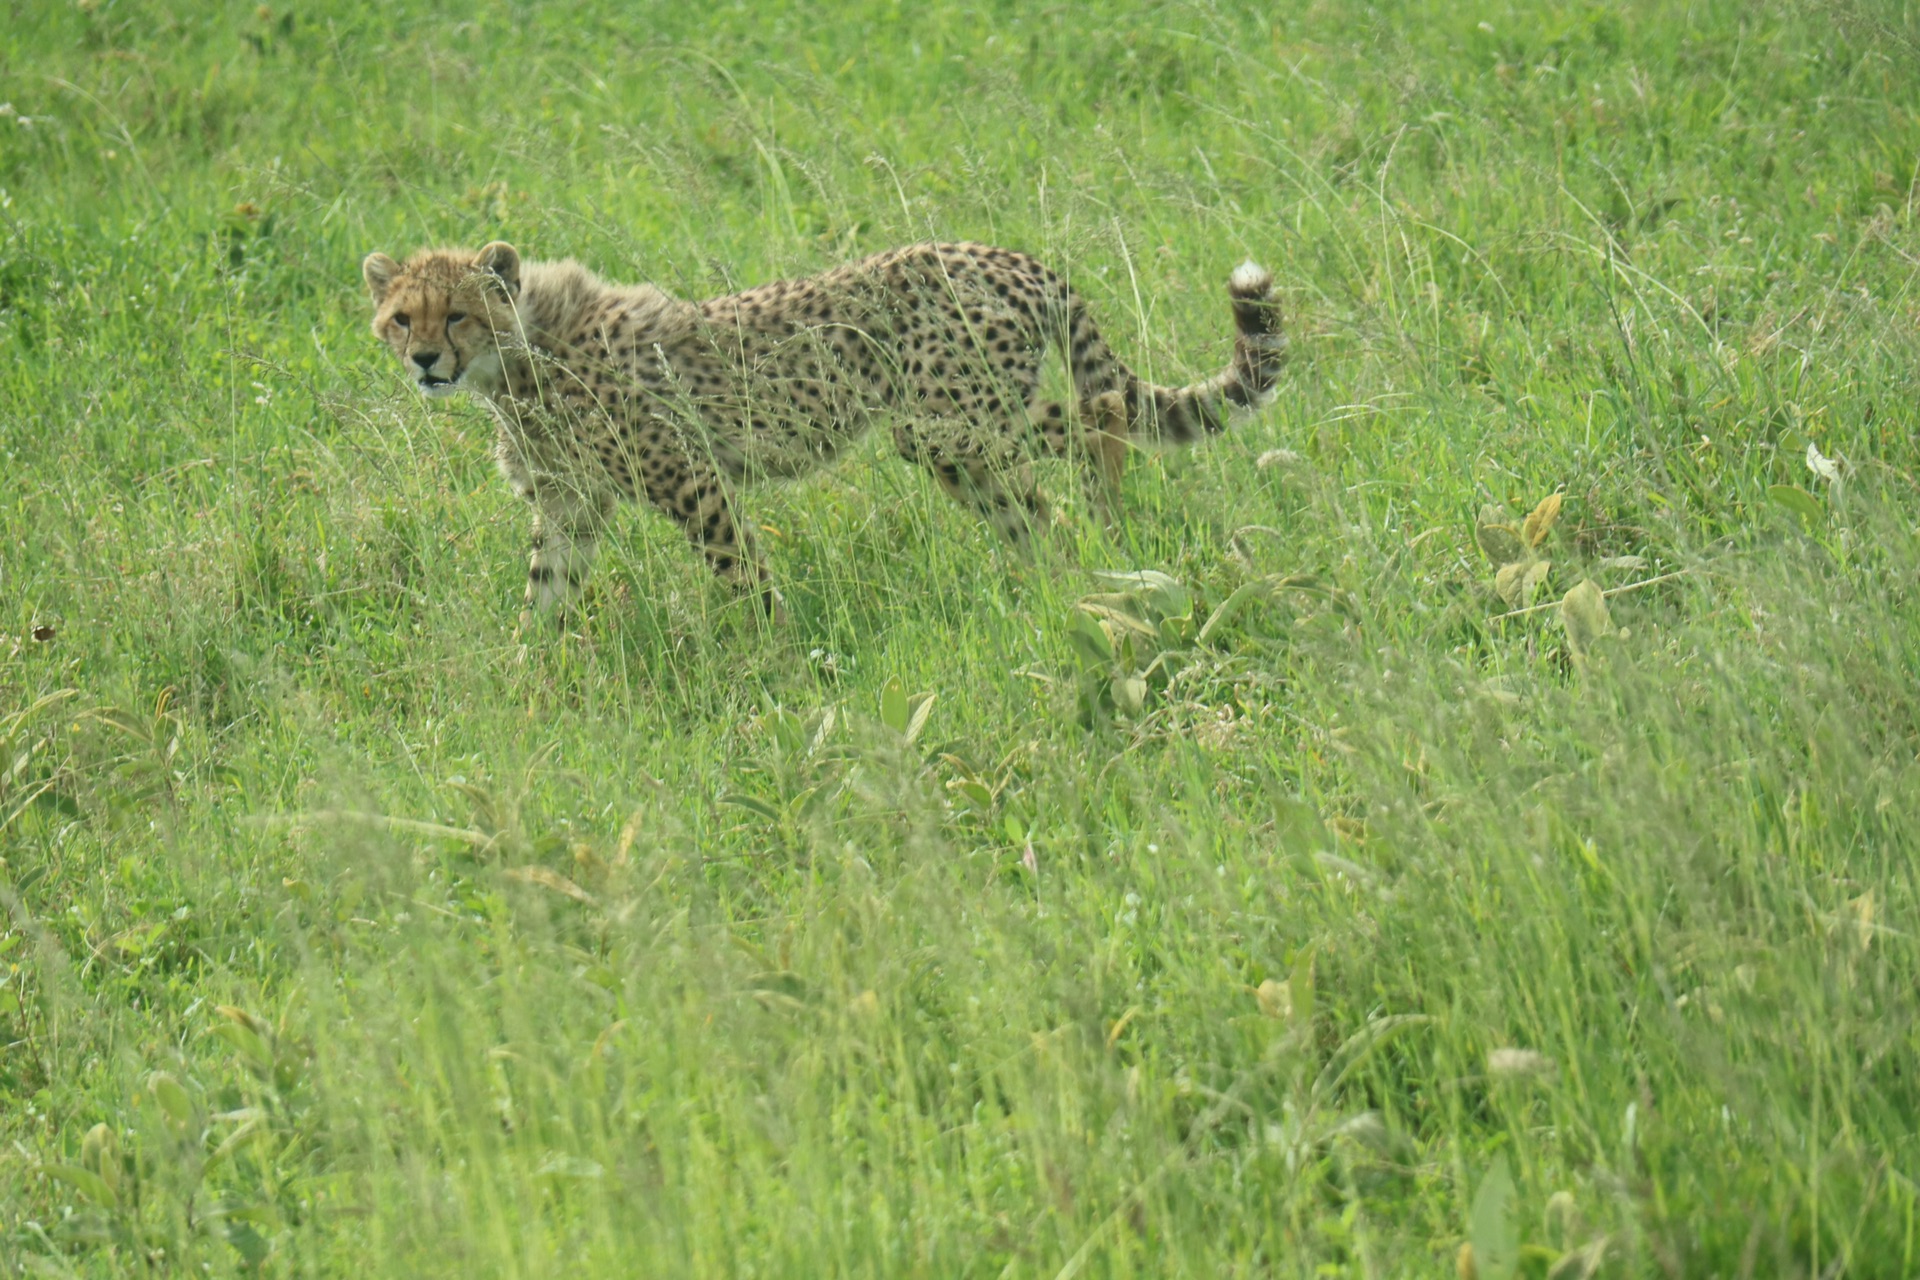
{"x":1342,"y":903}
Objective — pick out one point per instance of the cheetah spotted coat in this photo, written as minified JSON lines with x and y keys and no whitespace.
{"x":604,"y":391}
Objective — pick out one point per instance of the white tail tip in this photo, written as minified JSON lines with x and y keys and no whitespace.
{"x":1250,"y":278}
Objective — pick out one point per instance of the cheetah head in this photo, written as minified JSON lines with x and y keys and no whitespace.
{"x":446,"y":313}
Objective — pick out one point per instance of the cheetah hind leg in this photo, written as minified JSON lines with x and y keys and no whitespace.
{"x":1097,"y":440}
{"x":996,"y":483}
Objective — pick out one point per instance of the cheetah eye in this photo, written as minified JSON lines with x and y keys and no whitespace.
{"x":455,"y":317}
{"x":400,"y":318}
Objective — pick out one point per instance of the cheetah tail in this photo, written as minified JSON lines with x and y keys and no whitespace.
{"x":1181,"y":415}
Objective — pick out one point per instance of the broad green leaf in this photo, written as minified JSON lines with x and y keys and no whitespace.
{"x":85,"y":1181}
{"x":1229,"y":609}
{"x":1247,"y":592}
{"x":172,"y":1096}
{"x":1496,"y":1249}
{"x":919,"y":708}
{"x":973,"y":789}
{"x":1798,"y":501}
{"x":248,"y":1043}
{"x":893,"y":705}
{"x":1507,"y":583}
{"x":1517,"y":582}
{"x":1497,"y":538}
{"x":1584,"y":614}
{"x":789,"y":730}
{"x":1092,"y":641}
{"x":1163,"y":594}
{"x":1536,"y":575}
{"x":1129,"y":693}
{"x":1146,"y":579}
{"x":1122,"y":619}
{"x":1540,"y":520}
{"x":99,"y":1152}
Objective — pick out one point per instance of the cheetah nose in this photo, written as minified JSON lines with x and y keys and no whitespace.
{"x":426,"y":359}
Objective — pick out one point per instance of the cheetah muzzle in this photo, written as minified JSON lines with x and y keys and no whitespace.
{"x":604,"y":391}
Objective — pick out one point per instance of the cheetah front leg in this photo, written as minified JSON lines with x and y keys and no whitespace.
{"x":567,"y":522}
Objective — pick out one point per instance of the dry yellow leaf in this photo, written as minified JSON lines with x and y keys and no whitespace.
{"x":1540,"y":520}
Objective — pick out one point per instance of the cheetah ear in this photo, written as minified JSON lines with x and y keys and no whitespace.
{"x":379,"y":271}
{"x":503,"y":260}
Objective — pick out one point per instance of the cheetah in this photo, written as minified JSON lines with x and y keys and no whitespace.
{"x":602,"y":391}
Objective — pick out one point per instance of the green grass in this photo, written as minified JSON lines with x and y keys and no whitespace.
{"x":341,"y":934}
